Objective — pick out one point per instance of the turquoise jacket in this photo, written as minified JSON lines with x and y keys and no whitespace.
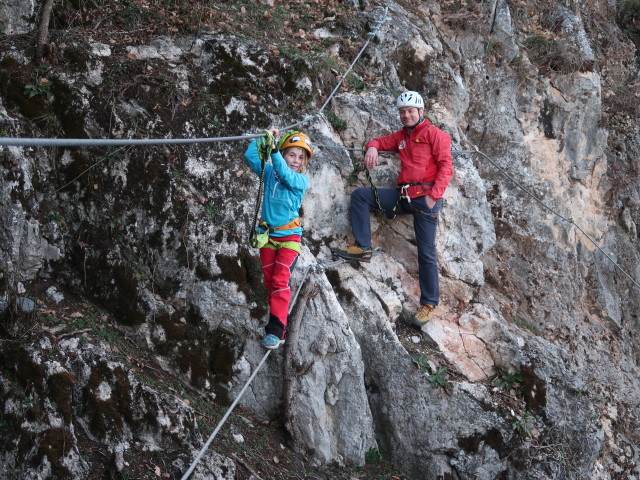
{"x":283,"y":190}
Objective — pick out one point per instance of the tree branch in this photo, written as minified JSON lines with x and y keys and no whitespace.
{"x":43,"y":30}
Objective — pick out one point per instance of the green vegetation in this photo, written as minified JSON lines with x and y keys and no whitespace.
{"x":84,"y":322}
{"x":356,"y":82}
{"x":439,"y":378}
{"x":114,"y":156}
{"x":336,"y":122}
{"x":505,"y":380}
{"x":47,"y":319}
{"x":491,"y":47}
{"x":211,"y":210}
{"x":377,"y":466}
{"x":49,"y":122}
{"x":523,"y":324}
{"x":56,"y":217}
{"x":42,"y":87}
{"x":152,"y":382}
{"x":423,"y":364}
{"x":524,"y":426}
{"x":108,"y":335}
{"x":207,"y":103}
{"x":552,"y":54}
{"x":372,"y":456}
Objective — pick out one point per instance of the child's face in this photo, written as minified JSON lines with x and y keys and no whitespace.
{"x":295,"y":157}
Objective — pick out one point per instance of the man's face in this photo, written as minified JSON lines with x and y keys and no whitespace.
{"x":410,"y":116}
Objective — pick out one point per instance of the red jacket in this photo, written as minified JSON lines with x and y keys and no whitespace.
{"x":425,"y":156}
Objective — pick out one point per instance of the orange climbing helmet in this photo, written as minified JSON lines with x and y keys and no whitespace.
{"x":296,"y":139}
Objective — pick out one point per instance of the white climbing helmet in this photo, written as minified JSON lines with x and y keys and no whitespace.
{"x":410,"y":99}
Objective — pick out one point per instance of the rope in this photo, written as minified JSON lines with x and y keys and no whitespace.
{"x":224,"y":418}
{"x":95,"y":142}
{"x":338,"y":147}
{"x":568,"y":220}
{"x":264,"y":150}
{"x":69,"y":142}
{"x":518,"y":184}
{"x":204,"y":448}
{"x":344,"y":76}
{"x":304,"y":278}
{"x":92,"y":142}
{"x":318,"y":267}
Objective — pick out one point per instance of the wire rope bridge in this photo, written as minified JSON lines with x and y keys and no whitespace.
{"x":318,"y":267}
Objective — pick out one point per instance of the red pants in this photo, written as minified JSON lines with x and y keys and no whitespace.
{"x":277,"y":266}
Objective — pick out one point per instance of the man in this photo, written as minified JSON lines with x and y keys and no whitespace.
{"x":426,"y":168}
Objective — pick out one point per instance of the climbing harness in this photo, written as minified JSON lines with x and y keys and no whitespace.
{"x":259,"y":238}
{"x":295,"y":223}
{"x":276,"y":245}
{"x":204,"y":448}
{"x":406,"y":190}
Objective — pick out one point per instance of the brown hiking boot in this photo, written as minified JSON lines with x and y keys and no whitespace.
{"x":354,"y":252}
{"x":425,"y":314}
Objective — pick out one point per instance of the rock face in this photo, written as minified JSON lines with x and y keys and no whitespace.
{"x":533,"y":366}
{"x":16,"y":16}
{"x":120,"y":412}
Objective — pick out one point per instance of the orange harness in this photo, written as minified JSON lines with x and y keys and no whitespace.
{"x":295,"y":223}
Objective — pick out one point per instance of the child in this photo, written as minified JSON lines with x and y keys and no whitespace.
{"x":284,"y":188}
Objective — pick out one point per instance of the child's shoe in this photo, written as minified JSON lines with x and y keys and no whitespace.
{"x":271,"y":342}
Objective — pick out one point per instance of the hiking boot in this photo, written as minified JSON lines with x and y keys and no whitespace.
{"x":355,"y":252}
{"x":425,"y":314}
{"x":271,"y":342}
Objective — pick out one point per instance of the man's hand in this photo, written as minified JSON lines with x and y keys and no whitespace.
{"x":429,"y":201}
{"x":371,"y":158}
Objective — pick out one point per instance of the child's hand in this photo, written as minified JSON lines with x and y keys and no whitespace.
{"x":269,"y":136}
